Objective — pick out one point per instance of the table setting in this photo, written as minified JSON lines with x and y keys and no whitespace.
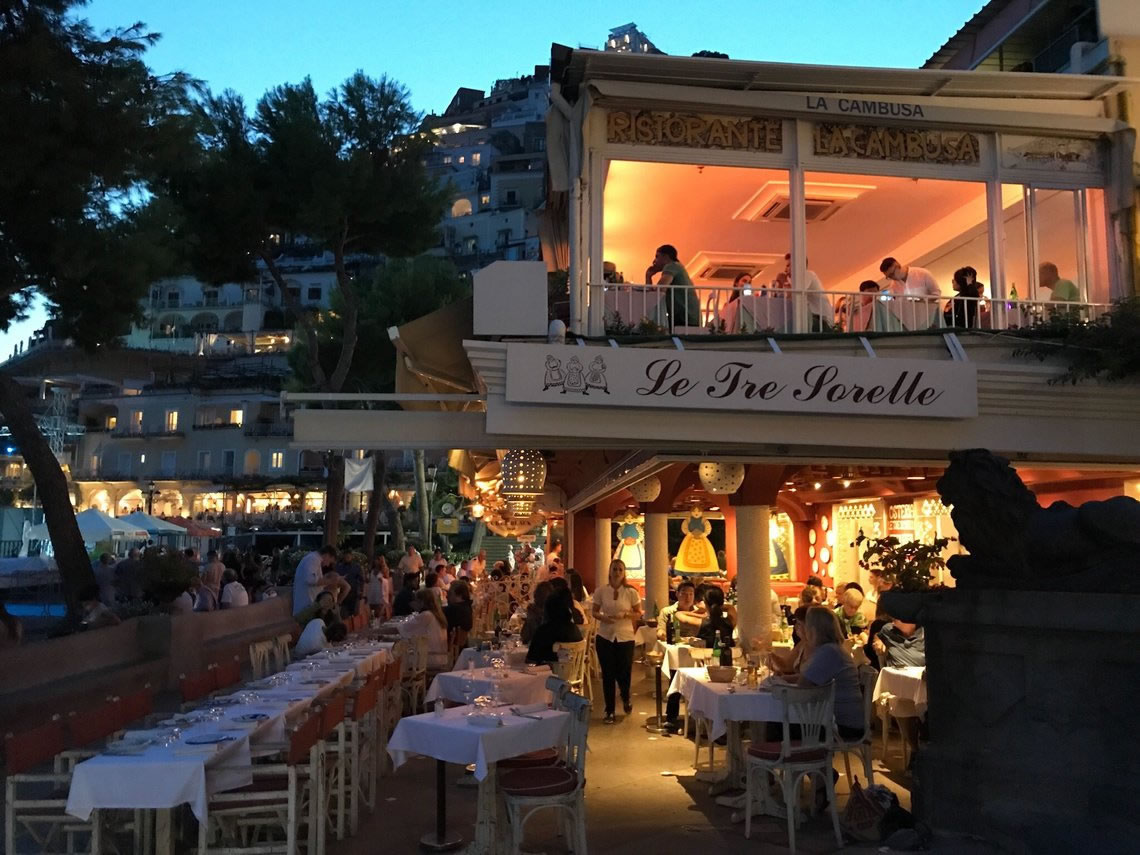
{"x":526,"y":685}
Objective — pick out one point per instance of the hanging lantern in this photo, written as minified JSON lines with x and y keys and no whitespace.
{"x":477,"y":511}
{"x":523,"y":475}
{"x":646,"y":490}
{"x":721,"y":478}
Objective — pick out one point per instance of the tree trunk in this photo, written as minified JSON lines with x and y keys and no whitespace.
{"x":398,"y":539}
{"x":375,"y":500}
{"x":70,"y":552}
{"x":334,"y":497}
{"x":422,"y":501}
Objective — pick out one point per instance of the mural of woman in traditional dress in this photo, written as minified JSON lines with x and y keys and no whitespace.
{"x":696,"y":554}
{"x":631,"y":545}
{"x":575,"y":377}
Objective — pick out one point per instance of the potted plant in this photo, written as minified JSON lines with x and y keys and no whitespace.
{"x":907,"y":570}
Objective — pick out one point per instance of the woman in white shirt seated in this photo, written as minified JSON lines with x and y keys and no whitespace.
{"x":430,"y":623}
{"x":233,"y":592}
{"x":316,"y":636}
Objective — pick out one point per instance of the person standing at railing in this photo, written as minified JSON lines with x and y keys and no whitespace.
{"x":919,"y":284}
{"x":820,"y":311}
{"x":963,"y":309}
{"x":683,"y":304}
{"x":1064,"y":290}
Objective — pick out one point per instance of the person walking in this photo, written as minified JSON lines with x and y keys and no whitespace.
{"x":617,"y":608}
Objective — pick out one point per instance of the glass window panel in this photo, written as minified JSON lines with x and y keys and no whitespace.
{"x":1058,"y":242}
{"x":1015,"y":253}
{"x":1100,"y":284}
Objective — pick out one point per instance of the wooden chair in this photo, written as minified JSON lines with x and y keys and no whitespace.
{"x":558,"y":786}
{"x":35,"y":794}
{"x":227,"y":673}
{"x":573,"y":669}
{"x":813,"y":711}
{"x":414,"y":678}
{"x":283,"y":796}
{"x":260,"y":654}
{"x":337,"y":763}
{"x":593,"y":669}
{"x":361,"y":738}
{"x":862,"y":746}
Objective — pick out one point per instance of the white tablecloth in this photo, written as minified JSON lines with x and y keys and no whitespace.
{"x":165,"y":777}
{"x":646,"y":635}
{"x":479,"y":658}
{"x":905,"y":684}
{"x":515,"y":687}
{"x":674,"y":656}
{"x":719,"y":705}
{"x":450,"y":738}
{"x":364,"y":658}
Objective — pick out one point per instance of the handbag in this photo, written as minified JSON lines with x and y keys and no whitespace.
{"x":862,"y":815}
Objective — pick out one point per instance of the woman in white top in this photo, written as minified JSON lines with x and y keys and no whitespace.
{"x":430,"y":623}
{"x":617,"y":608}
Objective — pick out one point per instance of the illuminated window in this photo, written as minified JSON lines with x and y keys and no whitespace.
{"x":276,"y":460}
{"x":136,"y":421}
{"x":462,"y":159}
{"x":142,"y":458}
{"x":171,"y":421}
{"x":112,"y":421}
{"x":447,"y":158}
{"x":476,"y":157}
{"x":485,"y":199}
{"x":236,"y":417}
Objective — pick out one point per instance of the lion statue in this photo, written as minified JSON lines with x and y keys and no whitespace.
{"x":1015,"y":543}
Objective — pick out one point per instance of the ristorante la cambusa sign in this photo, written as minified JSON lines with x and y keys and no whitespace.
{"x":724,"y":380}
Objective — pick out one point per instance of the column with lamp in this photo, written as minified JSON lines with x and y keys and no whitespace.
{"x":430,"y":487}
{"x":150,"y":490}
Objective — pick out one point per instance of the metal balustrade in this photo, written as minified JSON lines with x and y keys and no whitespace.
{"x":631,"y":309}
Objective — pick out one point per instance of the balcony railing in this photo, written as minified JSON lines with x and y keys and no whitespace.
{"x":270,"y":429}
{"x":626,"y":309}
{"x":149,"y":433}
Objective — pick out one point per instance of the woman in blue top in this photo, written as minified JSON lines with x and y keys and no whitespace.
{"x":684,"y":305}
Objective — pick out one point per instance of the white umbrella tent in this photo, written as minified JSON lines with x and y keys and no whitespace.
{"x":96,"y":527}
{"x":159,"y":529}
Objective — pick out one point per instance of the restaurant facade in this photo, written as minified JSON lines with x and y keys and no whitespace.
{"x":753,"y":430}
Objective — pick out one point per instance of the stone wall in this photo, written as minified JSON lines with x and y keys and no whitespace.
{"x":1033,"y":709}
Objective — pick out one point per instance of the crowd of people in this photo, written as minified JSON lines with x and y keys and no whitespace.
{"x":966,"y":309}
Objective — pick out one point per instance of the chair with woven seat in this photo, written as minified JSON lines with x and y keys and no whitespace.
{"x":260,"y":654}
{"x":559,"y":785}
{"x":283,"y":796}
{"x":282,"y":649}
{"x":812,"y":710}
{"x":573,"y":669}
{"x":861,"y":746}
{"x":35,"y":797}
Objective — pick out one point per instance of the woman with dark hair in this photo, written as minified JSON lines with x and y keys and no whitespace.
{"x":684,"y":305}
{"x":731,"y":311}
{"x":458,"y":609}
{"x":617,"y":607}
{"x":963,"y":309}
{"x":578,"y":594}
{"x":557,"y":627}
{"x":717,"y":620}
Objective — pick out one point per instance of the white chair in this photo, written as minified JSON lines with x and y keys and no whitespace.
{"x":813,"y":711}
{"x":593,"y":669}
{"x":861,"y":746}
{"x":902,"y":711}
{"x":702,"y":731}
{"x":573,"y":669}
{"x":414,"y":682}
{"x":559,"y":786}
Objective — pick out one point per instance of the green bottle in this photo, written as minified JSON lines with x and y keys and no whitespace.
{"x":716,"y":647}
{"x":1013,"y":292}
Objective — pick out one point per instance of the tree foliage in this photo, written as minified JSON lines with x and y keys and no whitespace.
{"x":1105,"y":349}
{"x":906,"y":566}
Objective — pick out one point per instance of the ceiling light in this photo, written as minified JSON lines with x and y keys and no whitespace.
{"x":845,"y":483}
{"x":817,"y":485}
{"x":916,"y":477}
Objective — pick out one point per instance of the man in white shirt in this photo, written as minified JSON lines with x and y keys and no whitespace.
{"x":234,"y":593}
{"x":919,"y":284}
{"x":819,"y":306}
{"x":411,"y":562}
{"x":309,"y":580}
{"x":437,"y":560}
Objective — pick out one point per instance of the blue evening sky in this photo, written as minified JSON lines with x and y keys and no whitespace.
{"x":251,"y":45}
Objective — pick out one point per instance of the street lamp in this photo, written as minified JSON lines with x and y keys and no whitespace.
{"x":150,"y":488}
{"x":431,"y":470}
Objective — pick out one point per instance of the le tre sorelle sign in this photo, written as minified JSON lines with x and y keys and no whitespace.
{"x":723,"y":380}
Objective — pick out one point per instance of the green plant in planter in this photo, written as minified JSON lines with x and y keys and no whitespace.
{"x":906,"y":566}
{"x":165,"y":575}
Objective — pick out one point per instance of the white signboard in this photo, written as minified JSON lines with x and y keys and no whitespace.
{"x":725,"y":380}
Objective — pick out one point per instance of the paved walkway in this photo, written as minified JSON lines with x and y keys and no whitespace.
{"x":641,"y":798}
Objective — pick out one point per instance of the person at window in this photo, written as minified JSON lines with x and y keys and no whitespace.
{"x":963,"y":309}
{"x":917,"y":283}
{"x":683,"y":304}
{"x":684,"y":610}
{"x":1063,"y":290}
{"x":901,"y":644}
{"x":403,"y":603}
{"x":234,"y":593}
{"x":864,"y":315}
{"x":819,"y":306}
{"x":617,"y":608}
{"x":557,"y":627}
{"x":731,"y":313}
{"x":458,"y":609}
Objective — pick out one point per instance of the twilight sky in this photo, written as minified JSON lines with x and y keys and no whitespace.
{"x":251,"y":45}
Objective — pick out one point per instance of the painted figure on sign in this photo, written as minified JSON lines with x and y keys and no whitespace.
{"x":696,"y":554}
{"x":575,"y":377}
{"x":554,"y":376}
{"x":630,"y":549}
{"x":596,"y":379}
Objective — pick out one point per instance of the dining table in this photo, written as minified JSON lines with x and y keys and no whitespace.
{"x":681,"y":655}
{"x":905,"y":684}
{"x":189,"y":756}
{"x":514,"y":686}
{"x":469,"y":735}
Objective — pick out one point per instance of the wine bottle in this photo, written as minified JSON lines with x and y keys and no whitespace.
{"x":1013,"y":292}
{"x":726,"y":654}
{"x":670,"y":636}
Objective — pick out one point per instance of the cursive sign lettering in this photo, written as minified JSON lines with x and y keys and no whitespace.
{"x":660,"y":372}
{"x":730,"y":377}
{"x":821,"y":380}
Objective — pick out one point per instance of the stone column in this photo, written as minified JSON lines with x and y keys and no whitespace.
{"x":753,"y":574}
{"x":656,"y":561}
{"x":603,"y":550}
{"x":568,"y":540}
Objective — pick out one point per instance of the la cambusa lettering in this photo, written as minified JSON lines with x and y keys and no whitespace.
{"x":864,"y":107}
{"x":820,"y":382}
